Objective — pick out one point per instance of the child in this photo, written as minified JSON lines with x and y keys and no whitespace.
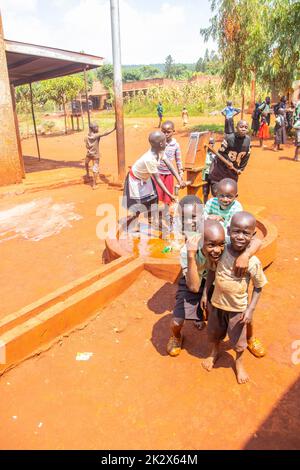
{"x":229,"y":112}
{"x":222,"y":208}
{"x":195,"y":262}
{"x":160,"y":111}
{"x":236,"y":150}
{"x":209,"y":161}
{"x":264,"y":132}
{"x":140,"y":192}
{"x":185,"y":116}
{"x":265,"y":108}
{"x":172,"y":153}
{"x":296,"y":126}
{"x":255,"y":120}
{"x":92,"y":144}
{"x":225,"y":205}
{"x":280,"y":130}
{"x":231,"y":311}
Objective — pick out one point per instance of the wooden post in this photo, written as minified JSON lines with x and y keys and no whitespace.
{"x":13,"y":98}
{"x":34,"y":123}
{"x":10,"y":166}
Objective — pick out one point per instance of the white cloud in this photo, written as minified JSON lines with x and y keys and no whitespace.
{"x":146,"y":37}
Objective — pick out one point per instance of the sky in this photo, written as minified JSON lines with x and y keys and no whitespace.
{"x":150,"y":29}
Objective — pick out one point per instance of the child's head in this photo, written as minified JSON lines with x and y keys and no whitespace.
{"x":214,"y":240}
{"x":226,"y":192}
{"x":281,"y":111}
{"x":157,"y":141}
{"x":94,"y":127}
{"x":229,"y":103}
{"x":242,"y":230}
{"x":168,"y":129}
{"x":283,"y":99}
{"x":268,"y":100}
{"x":191,"y":210}
{"x":242,"y":128}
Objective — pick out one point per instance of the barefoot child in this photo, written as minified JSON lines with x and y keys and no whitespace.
{"x":230,"y":310}
{"x":222,"y":208}
{"x":229,"y":112}
{"x":280,"y":130}
{"x":264,"y":131}
{"x":92,"y":144}
{"x":185,"y":116}
{"x":173,"y":154}
{"x":140,"y":192}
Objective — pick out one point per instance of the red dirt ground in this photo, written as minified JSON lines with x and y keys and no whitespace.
{"x":130,"y":394}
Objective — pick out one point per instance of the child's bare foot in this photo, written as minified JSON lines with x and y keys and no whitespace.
{"x":241,"y":374}
{"x":209,"y":362}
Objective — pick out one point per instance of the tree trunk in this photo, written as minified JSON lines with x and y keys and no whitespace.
{"x":65,"y":116}
{"x":243,"y":104}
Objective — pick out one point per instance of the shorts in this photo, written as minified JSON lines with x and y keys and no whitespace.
{"x":222,"y":322}
{"x":95,"y":161}
{"x":187,"y":305}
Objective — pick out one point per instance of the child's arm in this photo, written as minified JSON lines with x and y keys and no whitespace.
{"x":193,"y":280}
{"x":178,"y":161}
{"x":236,"y":111}
{"x":247,"y":315}
{"x":242,"y":262}
{"x":162,"y":186}
{"x":107,"y":133}
{"x":209,"y":282}
{"x":174,"y":172}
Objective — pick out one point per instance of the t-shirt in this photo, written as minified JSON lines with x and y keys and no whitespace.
{"x":92,"y":145}
{"x":172,"y":152}
{"x":159,"y":109}
{"x":209,"y":159}
{"x":202,"y":263}
{"x":230,"y":111}
{"x":231,"y":292}
{"x":145,"y":166}
{"x":212,"y":207}
{"x":236,"y":149}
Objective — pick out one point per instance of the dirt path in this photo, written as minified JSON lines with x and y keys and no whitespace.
{"x":130,"y":394}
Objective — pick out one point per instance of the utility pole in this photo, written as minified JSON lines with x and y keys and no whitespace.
{"x":118,"y":90}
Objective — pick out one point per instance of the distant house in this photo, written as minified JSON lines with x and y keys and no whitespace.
{"x":99,"y":94}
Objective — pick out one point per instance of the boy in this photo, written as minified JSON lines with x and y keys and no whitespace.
{"x":195,"y":261}
{"x":140,"y":192}
{"x":236,"y":150}
{"x":160,"y":111}
{"x":222,"y":208}
{"x":209,"y":161}
{"x":280,"y":130}
{"x":229,"y":112}
{"x":172,"y":153}
{"x":231,"y":311}
{"x":265,"y":108}
{"x":296,"y":126}
{"x":92,"y":144}
{"x":225,"y":205}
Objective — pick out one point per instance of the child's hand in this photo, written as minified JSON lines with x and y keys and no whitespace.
{"x":241,"y":265}
{"x":182,"y":183}
{"x":203,"y":302}
{"x":192,"y":243}
{"x":218,"y":218}
{"x":246,"y":316}
{"x":230,"y":165}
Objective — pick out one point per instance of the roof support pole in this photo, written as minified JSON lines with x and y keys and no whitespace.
{"x":86,"y":98}
{"x":116,"y":47}
{"x":34,"y":123}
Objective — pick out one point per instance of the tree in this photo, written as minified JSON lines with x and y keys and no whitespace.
{"x":61,"y":90}
{"x":106,"y":75}
{"x":239,"y":27}
{"x":169,"y":67}
{"x":148,"y":71}
{"x":131,"y":75}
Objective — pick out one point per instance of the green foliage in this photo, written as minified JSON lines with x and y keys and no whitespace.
{"x":131,"y":75}
{"x":62,"y":89}
{"x":106,"y":75}
{"x":169,"y":67}
{"x":210,"y":64}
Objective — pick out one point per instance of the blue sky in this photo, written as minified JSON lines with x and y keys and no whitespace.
{"x":150,"y":29}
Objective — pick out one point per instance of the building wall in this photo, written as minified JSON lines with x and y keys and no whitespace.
{"x":10,"y":167}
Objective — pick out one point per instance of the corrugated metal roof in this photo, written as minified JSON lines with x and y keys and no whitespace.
{"x":29,"y":63}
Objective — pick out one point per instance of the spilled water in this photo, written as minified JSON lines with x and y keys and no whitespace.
{"x":35,"y":220}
